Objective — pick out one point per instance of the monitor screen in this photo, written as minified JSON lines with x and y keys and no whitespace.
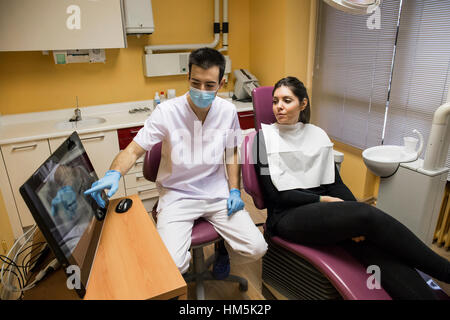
{"x":70,"y":221}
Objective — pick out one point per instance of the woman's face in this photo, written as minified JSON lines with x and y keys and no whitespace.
{"x":286,"y":106}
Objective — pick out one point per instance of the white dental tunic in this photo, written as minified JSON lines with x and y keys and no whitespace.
{"x":192,"y":156}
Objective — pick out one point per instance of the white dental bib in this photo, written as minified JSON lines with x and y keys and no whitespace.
{"x":299,"y":155}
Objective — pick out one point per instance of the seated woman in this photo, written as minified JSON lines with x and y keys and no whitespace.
{"x":307,"y":202}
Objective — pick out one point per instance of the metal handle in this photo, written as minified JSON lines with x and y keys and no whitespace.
{"x":134,"y":131}
{"x":246,"y":115}
{"x":93,"y":138}
{"x":139,"y":190}
{"x":31,"y":146}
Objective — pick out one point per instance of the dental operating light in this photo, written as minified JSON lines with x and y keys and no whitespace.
{"x":360,"y":7}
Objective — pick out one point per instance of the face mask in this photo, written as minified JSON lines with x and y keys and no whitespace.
{"x":200,"y":98}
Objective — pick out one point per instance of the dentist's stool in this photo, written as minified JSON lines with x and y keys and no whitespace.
{"x":203,"y":234}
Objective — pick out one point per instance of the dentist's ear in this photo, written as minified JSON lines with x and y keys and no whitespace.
{"x":221,"y":84}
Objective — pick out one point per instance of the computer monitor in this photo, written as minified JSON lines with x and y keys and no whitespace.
{"x":70,"y":221}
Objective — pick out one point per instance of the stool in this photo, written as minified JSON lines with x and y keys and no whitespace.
{"x":204,"y":234}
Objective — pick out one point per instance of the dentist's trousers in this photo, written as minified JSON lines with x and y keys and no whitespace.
{"x":244,"y":241}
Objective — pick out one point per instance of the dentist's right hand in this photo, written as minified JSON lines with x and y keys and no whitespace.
{"x":109,"y":181}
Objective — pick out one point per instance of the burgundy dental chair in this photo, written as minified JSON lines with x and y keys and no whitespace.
{"x":203,"y":234}
{"x":297,"y":271}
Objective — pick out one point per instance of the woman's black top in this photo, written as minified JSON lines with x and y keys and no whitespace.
{"x":278,"y":201}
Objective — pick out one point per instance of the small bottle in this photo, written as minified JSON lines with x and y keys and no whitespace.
{"x":163,"y":96}
{"x":156,"y":99}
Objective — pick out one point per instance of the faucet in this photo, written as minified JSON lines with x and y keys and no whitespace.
{"x":77,"y":114}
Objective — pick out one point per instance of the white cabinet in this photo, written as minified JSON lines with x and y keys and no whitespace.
{"x":135,"y":183}
{"x":138,"y":16}
{"x":21,"y":160}
{"x":101,"y":148}
{"x":30,"y":25}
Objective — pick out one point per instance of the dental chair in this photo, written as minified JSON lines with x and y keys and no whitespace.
{"x":298,"y":271}
{"x":203,"y":234}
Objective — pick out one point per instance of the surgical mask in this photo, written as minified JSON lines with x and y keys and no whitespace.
{"x":200,"y":98}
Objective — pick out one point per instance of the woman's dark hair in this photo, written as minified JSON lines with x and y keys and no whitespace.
{"x":299,"y":90}
{"x":206,"y":58}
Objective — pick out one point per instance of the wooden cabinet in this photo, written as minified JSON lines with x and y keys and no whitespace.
{"x":21,"y":160}
{"x":101,"y":148}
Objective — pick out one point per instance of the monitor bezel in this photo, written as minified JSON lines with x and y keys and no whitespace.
{"x":36,"y":207}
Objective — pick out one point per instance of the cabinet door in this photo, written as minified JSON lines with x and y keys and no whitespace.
{"x":101,"y":148}
{"x":30,"y":25}
{"x":21,"y":160}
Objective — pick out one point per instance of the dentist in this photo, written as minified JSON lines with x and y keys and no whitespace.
{"x":197,"y":130}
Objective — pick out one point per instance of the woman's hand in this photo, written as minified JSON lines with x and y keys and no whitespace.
{"x":329,"y":199}
{"x":358,"y":239}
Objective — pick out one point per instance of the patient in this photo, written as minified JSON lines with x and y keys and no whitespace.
{"x":308,"y":203}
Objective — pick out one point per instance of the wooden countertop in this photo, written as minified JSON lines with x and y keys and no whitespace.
{"x":131,"y":263}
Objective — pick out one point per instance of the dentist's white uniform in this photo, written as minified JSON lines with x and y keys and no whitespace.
{"x":192,"y":180}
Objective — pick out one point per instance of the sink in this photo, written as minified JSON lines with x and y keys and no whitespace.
{"x":85,"y":122}
{"x":383,"y":161}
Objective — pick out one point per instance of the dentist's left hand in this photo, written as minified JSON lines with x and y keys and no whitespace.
{"x":109,"y":181}
{"x":234,"y":202}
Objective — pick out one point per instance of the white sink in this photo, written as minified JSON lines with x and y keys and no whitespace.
{"x":383,"y":161}
{"x":85,"y":122}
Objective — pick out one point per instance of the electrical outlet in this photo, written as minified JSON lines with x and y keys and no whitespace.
{"x":4,"y":246}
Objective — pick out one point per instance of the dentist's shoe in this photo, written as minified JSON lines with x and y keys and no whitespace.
{"x":221,"y":267}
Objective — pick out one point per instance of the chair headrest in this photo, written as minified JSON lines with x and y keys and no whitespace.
{"x":262,"y":106}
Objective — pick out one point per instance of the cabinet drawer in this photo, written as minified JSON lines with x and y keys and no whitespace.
{"x":135,"y":180}
{"x":148,"y":196}
{"x":21,"y":160}
{"x":145,"y":192}
{"x":126,"y":135}
{"x":101,"y":148}
{"x":246,"y":120}
{"x":138,"y":166}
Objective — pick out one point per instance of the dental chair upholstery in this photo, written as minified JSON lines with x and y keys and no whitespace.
{"x":298,"y":271}
{"x":203,"y":234}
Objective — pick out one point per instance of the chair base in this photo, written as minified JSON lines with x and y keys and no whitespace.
{"x":202,"y":273}
{"x":299,"y":280}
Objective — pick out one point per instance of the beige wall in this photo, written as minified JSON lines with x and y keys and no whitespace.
{"x":32,"y":82}
{"x":279,"y":34}
{"x":268,"y":37}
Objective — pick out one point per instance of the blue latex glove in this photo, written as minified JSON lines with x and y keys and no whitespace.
{"x":109,"y":181}
{"x":234,"y":202}
{"x":66,"y":201}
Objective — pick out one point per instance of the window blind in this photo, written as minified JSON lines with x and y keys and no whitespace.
{"x":421,"y":71}
{"x":351,"y":74}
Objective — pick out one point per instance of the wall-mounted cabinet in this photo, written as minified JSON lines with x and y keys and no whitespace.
{"x":30,"y":25}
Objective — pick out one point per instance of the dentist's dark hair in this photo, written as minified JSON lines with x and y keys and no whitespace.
{"x":299,"y":90}
{"x":206,"y":58}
